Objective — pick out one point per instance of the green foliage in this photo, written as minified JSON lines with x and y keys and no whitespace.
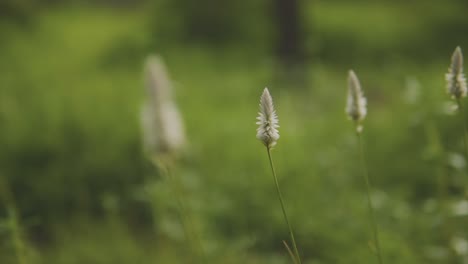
{"x":70,"y":94}
{"x":16,"y":10}
{"x":213,"y":23}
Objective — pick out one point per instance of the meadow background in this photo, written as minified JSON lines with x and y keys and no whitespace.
{"x":71,"y":89}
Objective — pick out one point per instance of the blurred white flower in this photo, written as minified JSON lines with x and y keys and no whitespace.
{"x":448,"y":107}
{"x":460,"y":208}
{"x":356,"y":105}
{"x":459,"y":245}
{"x":456,"y":160}
{"x":456,"y":83}
{"x":267,"y":130}
{"x":163,"y":129}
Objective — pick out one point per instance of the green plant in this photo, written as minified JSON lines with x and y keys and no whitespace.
{"x":356,"y":109}
{"x":267,"y":132}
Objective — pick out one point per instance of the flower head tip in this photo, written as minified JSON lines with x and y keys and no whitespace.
{"x":356,"y":106}
{"x":163,"y":128}
{"x":267,"y":130}
{"x":456,"y":82}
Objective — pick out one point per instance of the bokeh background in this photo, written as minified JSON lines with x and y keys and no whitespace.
{"x":71,"y":90}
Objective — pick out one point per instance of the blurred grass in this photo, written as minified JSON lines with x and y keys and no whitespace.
{"x":71,"y":87}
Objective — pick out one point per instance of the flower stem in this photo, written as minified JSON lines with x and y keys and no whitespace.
{"x":186,"y":220}
{"x":375,"y":230}
{"x":280,"y":196}
{"x":291,"y":254}
{"x":15,"y":229}
{"x":463,"y":120}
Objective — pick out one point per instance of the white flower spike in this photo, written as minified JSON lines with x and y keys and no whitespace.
{"x":356,"y":106}
{"x":267,"y":130}
{"x":456,"y":82}
{"x":162,"y":124}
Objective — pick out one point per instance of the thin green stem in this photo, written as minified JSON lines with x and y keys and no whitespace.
{"x":16,"y":236}
{"x":375,"y":230}
{"x":463,"y":120}
{"x":14,"y":226}
{"x":291,"y":254}
{"x":186,"y":220}
{"x":433,"y":138}
{"x":280,"y":196}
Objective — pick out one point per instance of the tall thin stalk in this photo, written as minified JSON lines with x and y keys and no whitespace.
{"x":164,"y":140}
{"x":457,"y":88}
{"x":14,"y":226}
{"x":267,"y":133}
{"x":375,"y":229}
{"x":356,"y":108}
{"x":462,"y":115}
{"x":280,"y":196}
{"x":291,"y":254}
{"x":165,"y":167}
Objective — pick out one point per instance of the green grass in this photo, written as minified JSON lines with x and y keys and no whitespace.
{"x":71,"y":88}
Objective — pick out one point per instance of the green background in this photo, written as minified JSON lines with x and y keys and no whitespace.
{"x":71,"y":90}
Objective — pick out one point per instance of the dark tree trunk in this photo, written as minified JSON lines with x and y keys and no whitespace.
{"x":290,"y":33}
{"x":289,"y":43}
